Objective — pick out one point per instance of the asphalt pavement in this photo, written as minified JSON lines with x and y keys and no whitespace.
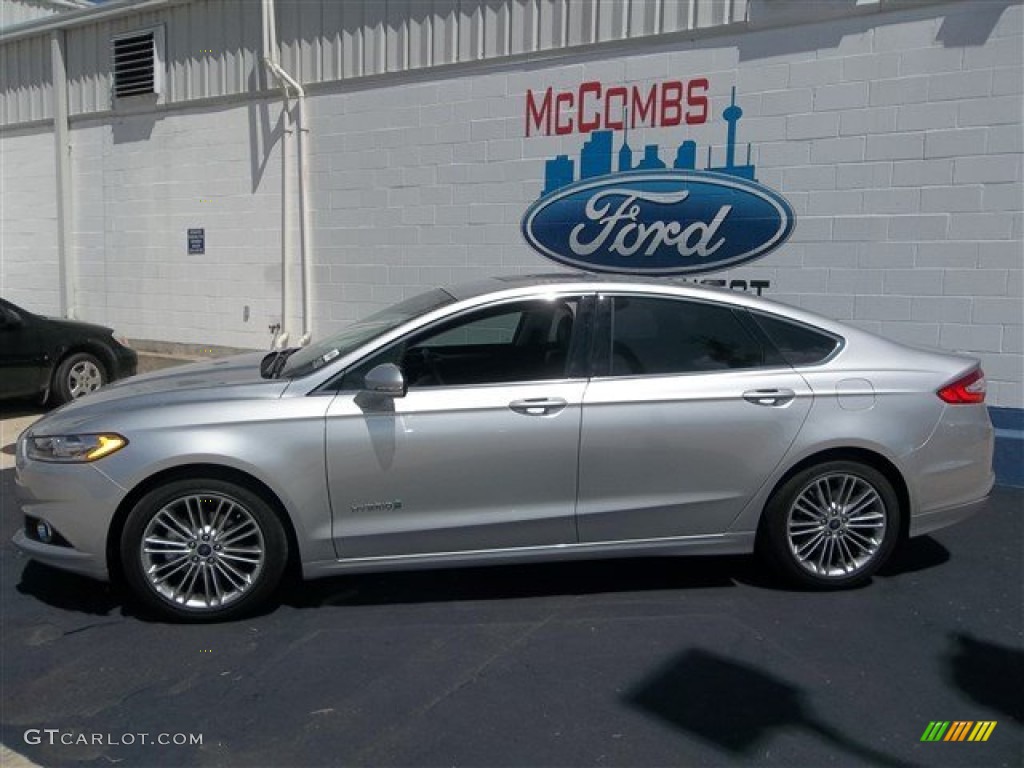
{"x":667,"y":662}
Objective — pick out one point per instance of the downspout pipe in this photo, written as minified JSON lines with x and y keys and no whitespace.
{"x":281,"y":336}
{"x":291,"y":85}
{"x":68,"y":278}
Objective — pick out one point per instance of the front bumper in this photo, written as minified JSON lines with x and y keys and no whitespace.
{"x":126,"y":363}
{"x":65,"y":558}
{"x":78,"y":501}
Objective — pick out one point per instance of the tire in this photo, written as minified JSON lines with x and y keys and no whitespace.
{"x":77,"y":375}
{"x":216,"y":550}
{"x":831,"y":526}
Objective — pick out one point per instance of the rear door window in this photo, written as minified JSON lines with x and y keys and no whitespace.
{"x":651,"y":335}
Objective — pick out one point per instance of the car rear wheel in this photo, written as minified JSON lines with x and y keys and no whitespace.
{"x":832,"y":525}
{"x":203,"y":550}
{"x":77,"y":375}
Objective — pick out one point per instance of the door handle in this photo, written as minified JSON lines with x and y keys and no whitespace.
{"x":538,"y":406}
{"x":769,"y":397}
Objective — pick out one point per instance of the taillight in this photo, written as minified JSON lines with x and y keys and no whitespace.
{"x":965,"y":390}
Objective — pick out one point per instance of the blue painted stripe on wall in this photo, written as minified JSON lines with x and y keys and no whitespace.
{"x":1009,"y":458}
{"x":1007,"y":418}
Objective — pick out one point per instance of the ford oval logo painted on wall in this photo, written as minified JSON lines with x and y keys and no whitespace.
{"x":666,"y":222}
{"x":649,"y":219}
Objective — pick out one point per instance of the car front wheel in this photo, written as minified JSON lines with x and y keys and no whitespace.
{"x":832,"y":525}
{"x":77,"y":375}
{"x":203,"y":550}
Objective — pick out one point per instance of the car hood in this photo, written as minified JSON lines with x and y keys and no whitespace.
{"x":78,"y":327}
{"x":237,"y":369}
{"x":230,"y":378}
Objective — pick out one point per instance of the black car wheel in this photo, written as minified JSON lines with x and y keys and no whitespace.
{"x":832,"y":525}
{"x":203,"y":550}
{"x":77,"y":375}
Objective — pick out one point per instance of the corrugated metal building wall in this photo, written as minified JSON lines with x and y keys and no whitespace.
{"x":14,"y":12}
{"x":212,"y":47}
{"x":26,"y":81}
{"x":25,"y":70}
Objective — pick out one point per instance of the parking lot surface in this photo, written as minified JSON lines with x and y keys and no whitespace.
{"x":702,"y":661}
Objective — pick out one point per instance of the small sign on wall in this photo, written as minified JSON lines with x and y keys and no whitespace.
{"x":196,"y":242}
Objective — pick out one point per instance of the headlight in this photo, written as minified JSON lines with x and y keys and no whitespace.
{"x":73,"y":448}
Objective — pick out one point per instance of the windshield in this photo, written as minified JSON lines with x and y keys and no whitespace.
{"x":317,"y":355}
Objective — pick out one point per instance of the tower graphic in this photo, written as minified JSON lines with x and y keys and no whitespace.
{"x":596,"y":157}
{"x":732,"y":115}
{"x":686,"y":156}
{"x":625,"y":152}
{"x":558,"y":172}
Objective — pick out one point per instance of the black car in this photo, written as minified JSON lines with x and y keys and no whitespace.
{"x":58,"y":360}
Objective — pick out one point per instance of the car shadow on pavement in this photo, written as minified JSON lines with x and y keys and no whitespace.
{"x":70,"y":592}
{"x":991,"y":675}
{"x":523,"y":581}
{"x":736,"y":707}
{"x":15,"y":409}
{"x":579,"y":577}
{"x":80,"y":594}
{"x":917,"y":554}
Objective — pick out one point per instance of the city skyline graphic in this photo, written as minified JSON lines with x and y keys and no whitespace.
{"x":597,"y":155}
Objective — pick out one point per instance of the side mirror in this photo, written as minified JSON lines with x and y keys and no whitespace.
{"x":386,"y":380}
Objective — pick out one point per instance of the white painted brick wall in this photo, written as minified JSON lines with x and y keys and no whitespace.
{"x":135,"y":201}
{"x":900,"y":154}
{"x":29,"y":268}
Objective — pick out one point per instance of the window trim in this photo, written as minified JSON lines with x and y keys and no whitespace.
{"x":601,"y":369}
{"x":578,"y":351}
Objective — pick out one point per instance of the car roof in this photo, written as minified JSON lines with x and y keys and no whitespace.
{"x":588,"y":281}
{"x":12,"y":306}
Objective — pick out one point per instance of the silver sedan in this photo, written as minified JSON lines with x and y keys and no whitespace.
{"x":517,"y":419}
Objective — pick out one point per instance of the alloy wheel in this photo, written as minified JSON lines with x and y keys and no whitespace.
{"x":202,"y":551}
{"x":836,"y":525}
{"x":83,"y":378}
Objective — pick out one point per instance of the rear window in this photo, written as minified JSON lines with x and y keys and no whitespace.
{"x":798,"y":344}
{"x":667,"y":336}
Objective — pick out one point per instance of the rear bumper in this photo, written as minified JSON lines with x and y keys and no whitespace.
{"x":940,"y":518}
{"x":950,"y":475}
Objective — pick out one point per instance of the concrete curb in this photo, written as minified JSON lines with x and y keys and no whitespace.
{"x":182,"y":350}
{"x":11,"y":759}
{"x":149,"y":361}
{"x":10,"y":428}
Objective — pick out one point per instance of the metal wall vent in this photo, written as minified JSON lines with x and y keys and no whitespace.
{"x":135,"y":64}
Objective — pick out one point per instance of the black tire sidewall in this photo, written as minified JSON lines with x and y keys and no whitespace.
{"x":61,"y":389}
{"x":775,"y":538}
{"x":274,"y":539}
